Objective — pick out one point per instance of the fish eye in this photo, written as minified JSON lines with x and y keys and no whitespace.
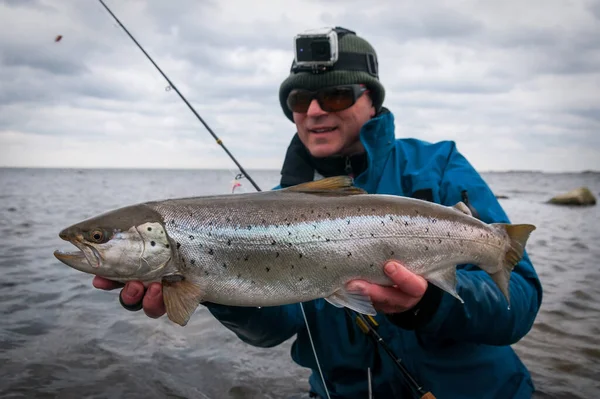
{"x":97,"y":235}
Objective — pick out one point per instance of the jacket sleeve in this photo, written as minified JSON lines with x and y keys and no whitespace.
{"x":265,"y":327}
{"x":485,"y":317}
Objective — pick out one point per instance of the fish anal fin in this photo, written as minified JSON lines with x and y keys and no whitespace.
{"x":337,"y":185}
{"x":354,"y":300}
{"x":462,"y":208}
{"x":502,"y":278}
{"x":181,"y":297}
{"x":444,"y":277}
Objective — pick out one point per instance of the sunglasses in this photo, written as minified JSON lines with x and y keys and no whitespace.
{"x":330,"y":99}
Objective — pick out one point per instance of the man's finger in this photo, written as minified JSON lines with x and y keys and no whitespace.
{"x":131,"y":296}
{"x":390,"y":299}
{"x":406,"y":281}
{"x":154,"y":306}
{"x":104,"y":284}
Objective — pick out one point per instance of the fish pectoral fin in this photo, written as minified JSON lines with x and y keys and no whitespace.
{"x":445,"y":278}
{"x":181,"y":297}
{"x":337,"y":185}
{"x":462,"y":208}
{"x":354,"y":300}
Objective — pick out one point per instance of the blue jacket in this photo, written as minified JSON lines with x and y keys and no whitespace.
{"x":464,"y":350}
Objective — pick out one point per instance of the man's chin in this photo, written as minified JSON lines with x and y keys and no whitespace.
{"x":323,"y":150}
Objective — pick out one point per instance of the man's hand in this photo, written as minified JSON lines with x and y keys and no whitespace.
{"x":407,"y":291}
{"x":134,"y":293}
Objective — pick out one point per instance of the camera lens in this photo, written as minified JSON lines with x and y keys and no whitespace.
{"x":320,"y":49}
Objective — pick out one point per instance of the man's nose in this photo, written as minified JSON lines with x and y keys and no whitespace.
{"x":314,"y":109}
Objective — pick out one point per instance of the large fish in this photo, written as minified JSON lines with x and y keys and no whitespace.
{"x":287,"y":246}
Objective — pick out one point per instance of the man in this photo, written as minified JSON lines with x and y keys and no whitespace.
{"x":454,"y":350}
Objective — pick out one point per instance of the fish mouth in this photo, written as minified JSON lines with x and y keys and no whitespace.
{"x":87,"y":259}
{"x":77,"y":260}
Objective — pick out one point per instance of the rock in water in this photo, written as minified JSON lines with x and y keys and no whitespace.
{"x":579,"y":196}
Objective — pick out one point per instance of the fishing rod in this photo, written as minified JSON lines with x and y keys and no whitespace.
{"x":217,"y":139}
{"x":367,"y":327}
{"x":363,"y":324}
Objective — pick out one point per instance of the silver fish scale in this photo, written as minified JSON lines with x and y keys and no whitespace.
{"x":258,"y":254}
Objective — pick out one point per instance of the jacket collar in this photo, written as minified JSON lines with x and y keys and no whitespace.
{"x":377,"y":136}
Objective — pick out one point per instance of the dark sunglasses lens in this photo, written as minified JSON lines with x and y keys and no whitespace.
{"x":336,"y":99}
{"x":299,"y":100}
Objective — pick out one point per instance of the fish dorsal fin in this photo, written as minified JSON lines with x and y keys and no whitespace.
{"x":462,"y":208}
{"x":337,"y":185}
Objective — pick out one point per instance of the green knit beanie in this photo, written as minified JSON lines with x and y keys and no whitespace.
{"x":347,"y":43}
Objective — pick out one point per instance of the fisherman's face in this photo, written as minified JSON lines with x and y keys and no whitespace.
{"x":325,"y":134}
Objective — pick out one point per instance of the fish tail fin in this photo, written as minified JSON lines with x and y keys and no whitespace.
{"x":518,"y":234}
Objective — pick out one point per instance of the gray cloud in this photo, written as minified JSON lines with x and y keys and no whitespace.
{"x":520,"y":77}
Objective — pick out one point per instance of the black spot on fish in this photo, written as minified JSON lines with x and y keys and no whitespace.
{"x":328,"y":214}
{"x":303,"y":216}
{"x":288,"y":224}
{"x":313,"y":211}
{"x":267,"y":269}
{"x":193,"y":261}
{"x":167,"y":245}
{"x":434,"y":220}
{"x":319,"y":215}
{"x":301,"y":278}
{"x":178,"y":245}
{"x":228,"y":242}
{"x":325,"y":267}
{"x":382,"y":223}
{"x":372,"y":265}
{"x":228,"y":219}
{"x":252,"y":282}
{"x":149,"y":228}
{"x":348,"y":221}
{"x":264,"y":221}
{"x":349,"y":254}
{"x":191,"y":237}
{"x":210,"y":251}
{"x":152,"y":243}
{"x":246,"y":258}
{"x":273,"y":242}
{"x":359,"y":209}
{"x":392,"y":253}
{"x":277,"y":254}
{"x":172,"y":221}
{"x":426,"y":229}
{"x":225,"y":265}
{"x":439,"y":240}
{"x":289,"y":244}
{"x":289,"y":233}
{"x":406,"y":223}
{"x":292,"y":266}
{"x":339,"y":231}
{"x":299,"y":255}
{"x":351,"y":235}
{"x":417,"y":211}
{"x":426,"y":248}
{"x":209,"y":234}
{"x":206,"y":272}
{"x":239,"y":275}
{"x":391,"y":218}
{"x":249,"y":227}
{"x":448,"y":234}
{"x":372,"y":209}
{"x":295,"y":219}
{"x":327,"y":240}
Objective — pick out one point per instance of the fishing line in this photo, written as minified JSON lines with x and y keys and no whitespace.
{"x":220,"y":142}
{"x":172,"y":85}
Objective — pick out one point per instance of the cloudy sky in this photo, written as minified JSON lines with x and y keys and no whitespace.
{"x":515,"y":84}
